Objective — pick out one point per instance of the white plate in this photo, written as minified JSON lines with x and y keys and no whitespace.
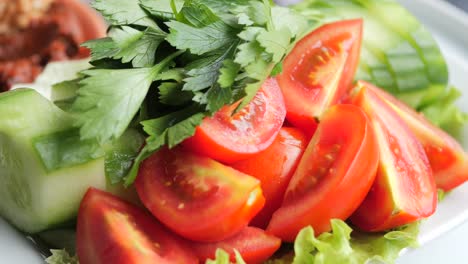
{"x":450,"y":27}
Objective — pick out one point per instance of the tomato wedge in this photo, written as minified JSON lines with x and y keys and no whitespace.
{"x":274,"y":167}
{"x":197,"y":197}
{"x":448,"y":160}
{"x":319,"y":70}
{"x":110,"y":230}
{"x":228,"y":138}
{"x":253,"y":244}
{"x":404,"y":189}
{"x":334,"y":174}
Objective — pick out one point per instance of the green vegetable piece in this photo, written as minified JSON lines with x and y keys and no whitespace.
{"x":35,"y":196}
{"x":228,"y":73}
{"x":201,"y":40}
{"x":222,"y":257}
{"x":119,"y":158}
{"x":109,"y":99}
{"x":196,"y":14}
{"x":101,"y":48}
{"x":173,"y":128}
{"x":285,"y":18}
{"x":173,"y":94}
{"x":162,"y":9}
{"x":123,"y":12}
{"x":61,"y":257}
{"x":204,"y":73}
{"x":275,"y":42}
{"x":64,"y":149}
{"x":64,"y":90}
{"x":138,"y":47}
{"x":342,"y":246}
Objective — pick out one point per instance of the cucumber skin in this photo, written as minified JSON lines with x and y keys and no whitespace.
{"x":32,"y":198}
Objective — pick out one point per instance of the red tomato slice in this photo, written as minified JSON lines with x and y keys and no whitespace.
{"x":197,"y":197}
{"x":404,"y":189}
{"x":319,"y":70}
{"x":228,"y":138}
{"x":448,"y":160}
{"x":253,"y":244}
{"x":110,"y":230}
{"x":274,"y":167}
{"x":333,"y":176}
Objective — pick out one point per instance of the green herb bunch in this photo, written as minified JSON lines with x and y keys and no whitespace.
{"x":167,"y":64}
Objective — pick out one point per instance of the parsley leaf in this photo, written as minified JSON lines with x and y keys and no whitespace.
{"x":171,"y":93}
{"x":137,"y":46}
{"x":248,"y":53}
{"x":161,"y":9}
{"x":200,"y":40}
{"x":101,"y":48}
{"x":217,"y":97}
{"x":203,"y":73}
{"x":275,"y":42}
{"x":254,"y":14}
{"x":123,"y":12}
{"x":228,"y":73}
{"x":61,"y":257}
{"x":285,"y":18}
{"x":129,"y":45}
{"x":173,"y":128}
{"x":197,"y":15}
{"x":108,"y":99}
{"x":119,"y":158}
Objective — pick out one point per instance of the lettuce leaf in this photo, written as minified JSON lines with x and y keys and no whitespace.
{"x":61,"y":256}
{"x":222,"y":257}
{"x":344,"y":246}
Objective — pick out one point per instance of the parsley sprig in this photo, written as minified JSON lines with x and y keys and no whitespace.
{"x":167,"y":64}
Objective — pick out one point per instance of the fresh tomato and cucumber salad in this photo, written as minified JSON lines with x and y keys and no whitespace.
{"x":236,"y":132}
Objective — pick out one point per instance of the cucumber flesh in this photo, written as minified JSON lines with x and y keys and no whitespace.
{"x":37,"y":192}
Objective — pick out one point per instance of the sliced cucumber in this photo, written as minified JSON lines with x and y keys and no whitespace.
{"x":45,"y":168}
{"x":398,"y":53}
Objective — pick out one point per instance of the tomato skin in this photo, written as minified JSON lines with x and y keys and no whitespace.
{"x":274,"y":167}
{"x":196,"y":197}
{"x":110,"y":230}
{"x":342,"y":153}
{"x":448,"y":160}
{"x":229,"y":138}
{"x":253,"y":244}
{"x":319,"y":70}
{"x":404,"y":190}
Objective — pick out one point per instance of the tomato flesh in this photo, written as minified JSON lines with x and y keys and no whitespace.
{"x":333,"y":176}
{"x":253,"y":244}
{"x":319,"y":70}
{"x":404,"y":190}
{"x":448,"y":160}
{"x":274,"y":167}
{"x":229,"y":137}
{"x":110,"y":230}
{"x":197,"y":197}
